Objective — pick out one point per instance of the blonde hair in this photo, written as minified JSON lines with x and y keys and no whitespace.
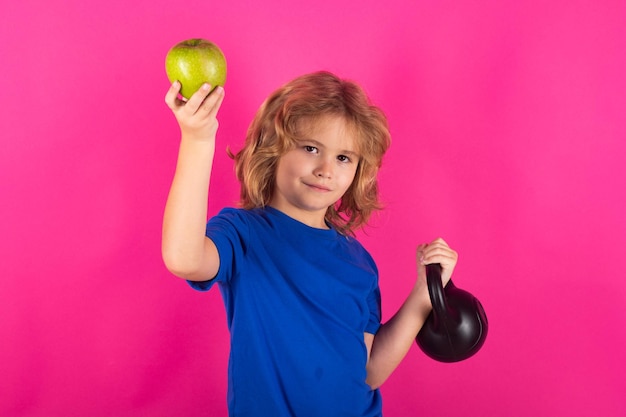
{"x":273,"y":132}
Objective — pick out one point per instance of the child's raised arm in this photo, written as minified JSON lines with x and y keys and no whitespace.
{"x":186,"y":251}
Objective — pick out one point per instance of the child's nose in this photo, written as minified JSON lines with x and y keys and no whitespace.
{"x":324,"y":169}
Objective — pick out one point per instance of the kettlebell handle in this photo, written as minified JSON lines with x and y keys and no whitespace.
{"x":435,"y":289}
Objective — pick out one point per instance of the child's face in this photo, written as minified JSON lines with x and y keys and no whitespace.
{"x":317,"y":172}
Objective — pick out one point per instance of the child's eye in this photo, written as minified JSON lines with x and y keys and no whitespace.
{"x":310,"y":149}
{"x":343,"y":158}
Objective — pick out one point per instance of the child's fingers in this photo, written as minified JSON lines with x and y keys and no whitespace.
{"x":438,"y":251}
{"x":420,"y":253}
{"x":443,"y":257}
{"x":171,"y":97}
{"x":196,"y":100}
{"x":213,"y":102}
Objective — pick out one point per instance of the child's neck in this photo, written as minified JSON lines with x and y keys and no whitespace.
{"x":315,"y":219}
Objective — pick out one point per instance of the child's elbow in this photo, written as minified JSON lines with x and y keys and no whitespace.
{"x":373,"y":379}
{"x":373,"y":384}
{"x":190,"y":268}
{"x":179,"y":266}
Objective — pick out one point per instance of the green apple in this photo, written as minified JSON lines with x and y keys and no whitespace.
{"x":194,"y":62}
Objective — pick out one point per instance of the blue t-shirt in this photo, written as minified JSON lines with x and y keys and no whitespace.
{"x":298,"y":300}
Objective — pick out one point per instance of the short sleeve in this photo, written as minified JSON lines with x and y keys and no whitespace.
{"x":375,"y":309}
{"x":228,"y":230}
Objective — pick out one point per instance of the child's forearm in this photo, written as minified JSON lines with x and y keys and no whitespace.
{"x":395,"y":337}
{"x":185,"y":215}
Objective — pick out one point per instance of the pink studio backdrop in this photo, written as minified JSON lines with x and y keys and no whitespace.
{"x":508,"y":141}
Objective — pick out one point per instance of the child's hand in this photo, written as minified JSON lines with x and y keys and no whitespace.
{"x":197,"y":117}
{"x":439,"y":252}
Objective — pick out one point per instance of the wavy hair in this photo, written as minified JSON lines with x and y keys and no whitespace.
{"x":273,"y":132}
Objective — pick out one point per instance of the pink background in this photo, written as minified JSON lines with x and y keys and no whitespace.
{"x":508,"y":141}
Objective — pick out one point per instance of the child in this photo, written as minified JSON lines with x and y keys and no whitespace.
{"x":301,"y":294}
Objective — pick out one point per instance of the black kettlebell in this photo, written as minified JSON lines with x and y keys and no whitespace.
{"x":456,"y":327}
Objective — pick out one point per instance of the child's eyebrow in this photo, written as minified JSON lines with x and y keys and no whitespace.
{"x":321,"y":145}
